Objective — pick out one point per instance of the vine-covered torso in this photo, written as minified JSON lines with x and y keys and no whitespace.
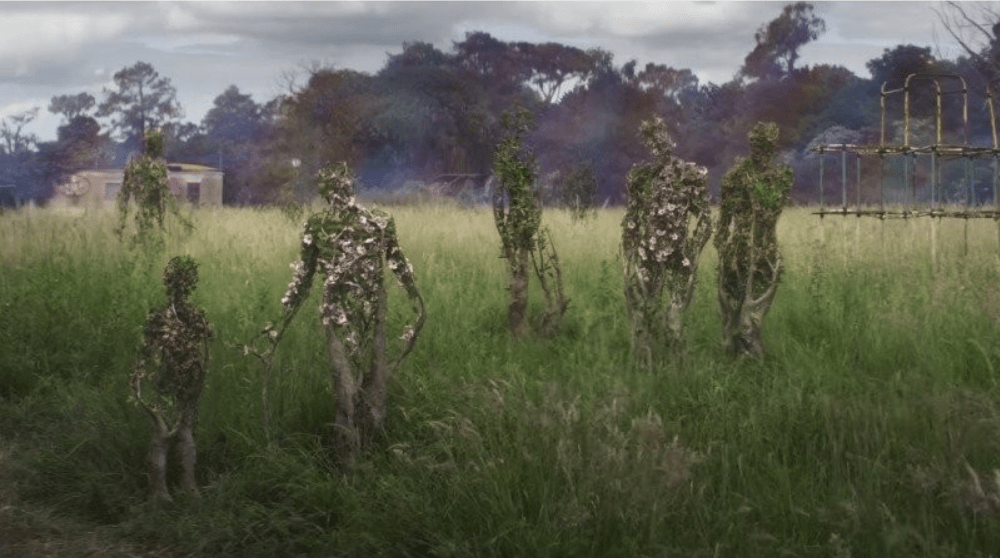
{"x":174,"y":355}
{"x":349,"y":246}
{"x":662,"y":196}
{"x":753,"y":194}
{"x":146,"y":183}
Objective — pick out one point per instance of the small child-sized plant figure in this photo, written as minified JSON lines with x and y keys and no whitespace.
{"x":351,"y":246}
{"x":667,"y":224}
{"x":753,"y":194}
{"x":170,"y":373}
{"x":578,"y":192}
{"x":517,"y":212}
{"x":146,"y":183}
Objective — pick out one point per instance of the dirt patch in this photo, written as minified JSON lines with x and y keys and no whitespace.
{"x":29,"y":531}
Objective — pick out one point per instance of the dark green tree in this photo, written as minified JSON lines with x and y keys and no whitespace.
{"x":72,"y":106}
{"x":233,"y":119}
{"x":897,"y":63}
{"x":143,"y":100}
{"x":550,"y":65}
{"x":578,"y":192}
{"x":15,"y":139}
{"x":495,"y":63}
{"x":779,"y":41}
{"x":80,"y":145}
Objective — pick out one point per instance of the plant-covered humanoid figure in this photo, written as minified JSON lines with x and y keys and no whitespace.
{"x":578,"y":192}
{"x":666,"y":226}
{"x":146,"y":184}
{"x":350,"y":246}
{"x":170,"y":373}
{"x":754,"y":192}
{"x":517,"y":212}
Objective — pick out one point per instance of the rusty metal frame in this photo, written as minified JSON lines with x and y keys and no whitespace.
{"x":937,"y":150}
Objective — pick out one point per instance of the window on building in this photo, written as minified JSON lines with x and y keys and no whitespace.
{"x":194,"y":192}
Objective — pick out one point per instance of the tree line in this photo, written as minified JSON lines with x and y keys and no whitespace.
{"x":429,"y":112}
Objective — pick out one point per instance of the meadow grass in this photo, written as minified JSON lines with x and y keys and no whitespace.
{"x":871,"y":428}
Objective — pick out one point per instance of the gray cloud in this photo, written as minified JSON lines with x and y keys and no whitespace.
{"x":51,"y":48}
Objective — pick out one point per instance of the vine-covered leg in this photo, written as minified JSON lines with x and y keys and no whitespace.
{"x":345,"y":388}
{"x":156,"y":461}
{"x":518,"y":307}
{"x":187,"y":453}
{"x":376,"y":386}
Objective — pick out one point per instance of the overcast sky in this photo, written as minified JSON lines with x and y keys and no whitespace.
{"x":54,"y":48}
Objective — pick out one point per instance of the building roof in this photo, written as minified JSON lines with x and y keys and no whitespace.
{"x":173,"y":167}
{"x":190,"y":167}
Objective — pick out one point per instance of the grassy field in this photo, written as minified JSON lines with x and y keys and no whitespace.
{"x":872,"y":427}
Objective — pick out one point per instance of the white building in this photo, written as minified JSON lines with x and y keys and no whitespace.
{"x":194,"y":184}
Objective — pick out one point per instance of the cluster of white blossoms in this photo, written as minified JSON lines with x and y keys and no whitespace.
{"x":347,"y":247}
{"x":663,"y":195}
{"x":667,"y":224}
{"x":295,"y":292}
{"x":350,"y":246}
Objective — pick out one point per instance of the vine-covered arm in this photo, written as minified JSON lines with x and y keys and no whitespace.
{"x":298,"y":288}
{"x":403,"y":271}
{"x":139,"y":371}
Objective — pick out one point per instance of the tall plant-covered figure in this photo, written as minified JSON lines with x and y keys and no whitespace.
{"x":146,"y":184}
{"x":170,"y":373}
{"x":754,"y":192}
{"x":517,"y":212}
{"x":351,"y":246}
{"x":666,"y":226}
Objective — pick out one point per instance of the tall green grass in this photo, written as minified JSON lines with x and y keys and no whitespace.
{"x":863,"y":432}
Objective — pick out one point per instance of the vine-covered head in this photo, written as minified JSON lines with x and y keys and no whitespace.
{"x":336,"y":184}
{"x":656,"y":138}
{"x":180,"y":276}
{"x":153,"y":144}
{"x":763,"y":141}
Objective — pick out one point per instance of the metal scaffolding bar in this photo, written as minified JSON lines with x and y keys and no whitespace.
{"x":940,"y":151}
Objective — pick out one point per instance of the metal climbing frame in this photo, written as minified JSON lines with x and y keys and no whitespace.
{"x":938,"y":152}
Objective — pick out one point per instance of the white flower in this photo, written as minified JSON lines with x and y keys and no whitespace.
{"x":307,"y":239}
{"x":407,"y":333}
{"x":686,"y":262}
{"x":338,"y":316}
